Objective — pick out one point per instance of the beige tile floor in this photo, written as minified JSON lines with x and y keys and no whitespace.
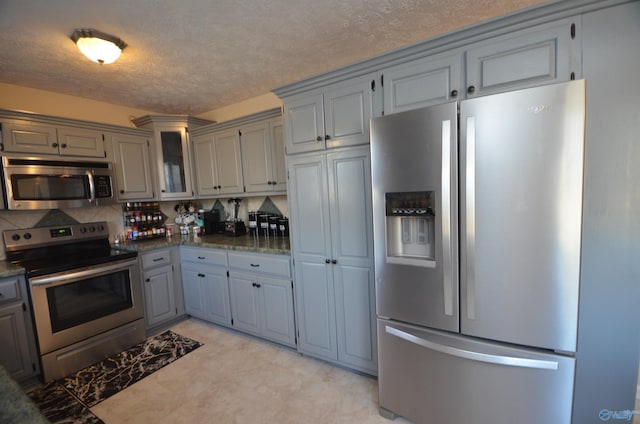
{"x":237,"y":379}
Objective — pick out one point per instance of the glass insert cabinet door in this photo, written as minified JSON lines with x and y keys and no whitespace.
{"x":174,"y":170}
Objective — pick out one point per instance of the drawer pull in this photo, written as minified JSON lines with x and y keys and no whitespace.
{"x":255,"y":265}
{"x":158,"y":259}
{"x":201,"y":275}
{"x":201,"y":257}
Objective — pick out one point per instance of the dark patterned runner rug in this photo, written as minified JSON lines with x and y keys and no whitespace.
{"x":68,"y":400}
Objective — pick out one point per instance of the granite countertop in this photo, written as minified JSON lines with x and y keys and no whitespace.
{"x":7,"y":269}
{"x":271,"y":245}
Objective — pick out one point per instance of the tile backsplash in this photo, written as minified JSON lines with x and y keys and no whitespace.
{"x":11,"y":220}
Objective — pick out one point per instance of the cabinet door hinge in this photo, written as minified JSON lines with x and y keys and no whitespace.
{"x":33,"y":367}
{"x":186,"y":129}
{"x":102,"y":137}
{"x":572,"y":76}
{"x":24,"y":307}
{"x":148,"y":143}
{"x":373,"y":85}
{"x":240,"y":133}
{"x":231,"y":321}
{"x":292,"y":284}
{"x":382,"y":80}
{"x":227,"y":273}
{"x":573,"y":31}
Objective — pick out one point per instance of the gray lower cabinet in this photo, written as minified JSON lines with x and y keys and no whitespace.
{"x":261,"y":293}
{"x":162,"y":289}
{"x":330,"y":212}
{"x":206,"y":289}
{"x":18,"y":354}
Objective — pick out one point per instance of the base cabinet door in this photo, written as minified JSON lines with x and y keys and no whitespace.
{"x":205,"y":282}
{"x":262,"y":296}
{"x":316,"y":310}
{"x":276,"y":304}
{"x":193,"y":286}
{"x":14,"y":355}
{"x":244,"y":303}
{"x":18,"y":353}
{"x":159,"y":297}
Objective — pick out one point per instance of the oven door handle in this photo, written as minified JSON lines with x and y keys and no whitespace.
{"x":61,"y":278}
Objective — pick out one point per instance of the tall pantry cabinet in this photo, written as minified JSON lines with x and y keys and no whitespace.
{"x":331,"y":225}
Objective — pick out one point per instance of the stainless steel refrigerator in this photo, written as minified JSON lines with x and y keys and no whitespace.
{"x":477,"y":237}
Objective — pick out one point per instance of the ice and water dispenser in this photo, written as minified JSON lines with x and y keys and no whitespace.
{"x":411,"y":234}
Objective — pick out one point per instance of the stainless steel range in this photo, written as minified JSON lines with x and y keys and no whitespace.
{"x":86,"y":297}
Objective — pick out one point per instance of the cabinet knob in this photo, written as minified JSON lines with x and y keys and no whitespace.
{"x":327,"y":137}
{"x":471,"y":89}
{"x":454,"y":93}
{"x":269,"y":182}
{"x":121,"y":191}
{"x":327,"y":261}
{"x":147,"y":280}
{"x":200,"y":275}
{"x":334,"y":261}
{"x":318,"y":138}
{"x":63,"y":145}
{"x":258,"y":285}
{"x":54,"y":145}
{"x":274,"y":182}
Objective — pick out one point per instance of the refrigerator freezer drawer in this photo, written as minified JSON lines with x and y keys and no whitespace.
{"x":435,"y":377}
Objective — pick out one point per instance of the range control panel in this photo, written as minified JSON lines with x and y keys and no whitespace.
{"x":47,"y":236}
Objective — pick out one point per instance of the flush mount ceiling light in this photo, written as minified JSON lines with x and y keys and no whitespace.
{"x":98,"y":46}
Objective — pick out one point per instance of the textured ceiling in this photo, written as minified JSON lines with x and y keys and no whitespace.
{"x":193,"y":56}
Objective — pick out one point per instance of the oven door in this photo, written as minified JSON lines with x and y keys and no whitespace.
{"x":74,"y":305}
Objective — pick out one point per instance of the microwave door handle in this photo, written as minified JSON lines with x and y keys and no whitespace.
{"x":92,"y":188}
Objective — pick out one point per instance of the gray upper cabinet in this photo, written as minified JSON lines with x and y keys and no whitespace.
{"x":424,"y":82}
{"x":263,"y":157}
{"x":544,"y":54}
{"x":217,"y":161}
{"x":336,"y":116}
{"x":172,"y":153}
{"x":530,"y":57}
{"x":38,"y":138}
{"x":333,"y":258}
{"x":133,"y":167}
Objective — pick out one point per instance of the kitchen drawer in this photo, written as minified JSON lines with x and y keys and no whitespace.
{"x":156,"y":258}
{"x":204,"y":256}
{"x":9,"y":290}
{"x":264,"y":264}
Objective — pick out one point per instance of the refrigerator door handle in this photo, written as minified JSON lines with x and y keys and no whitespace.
{"x":472,"y":355}
{"x":470,"y":214}
{"x":446,"y":218}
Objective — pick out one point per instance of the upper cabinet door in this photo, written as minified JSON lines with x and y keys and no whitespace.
{"x":256,"y":157}
{"x":425,"y":82}
{"x":173,"y":164}
{"x":347,"y":110}
{"x":81,"y":142}
{"x":527,"y":58}
{"x":205,"y":165}
{"x":228,"y":162}
{"x":304,"y":117}
{"x":27,"y":137}
{"x":279,"y":169}
{"x":133,"y":167}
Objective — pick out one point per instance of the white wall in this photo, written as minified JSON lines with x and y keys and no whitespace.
{"x":247,"y":107}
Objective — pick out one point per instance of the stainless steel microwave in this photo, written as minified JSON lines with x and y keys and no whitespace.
{"x":30,"y":183}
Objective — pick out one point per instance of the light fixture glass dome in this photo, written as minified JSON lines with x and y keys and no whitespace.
{"x":97,"y":46}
